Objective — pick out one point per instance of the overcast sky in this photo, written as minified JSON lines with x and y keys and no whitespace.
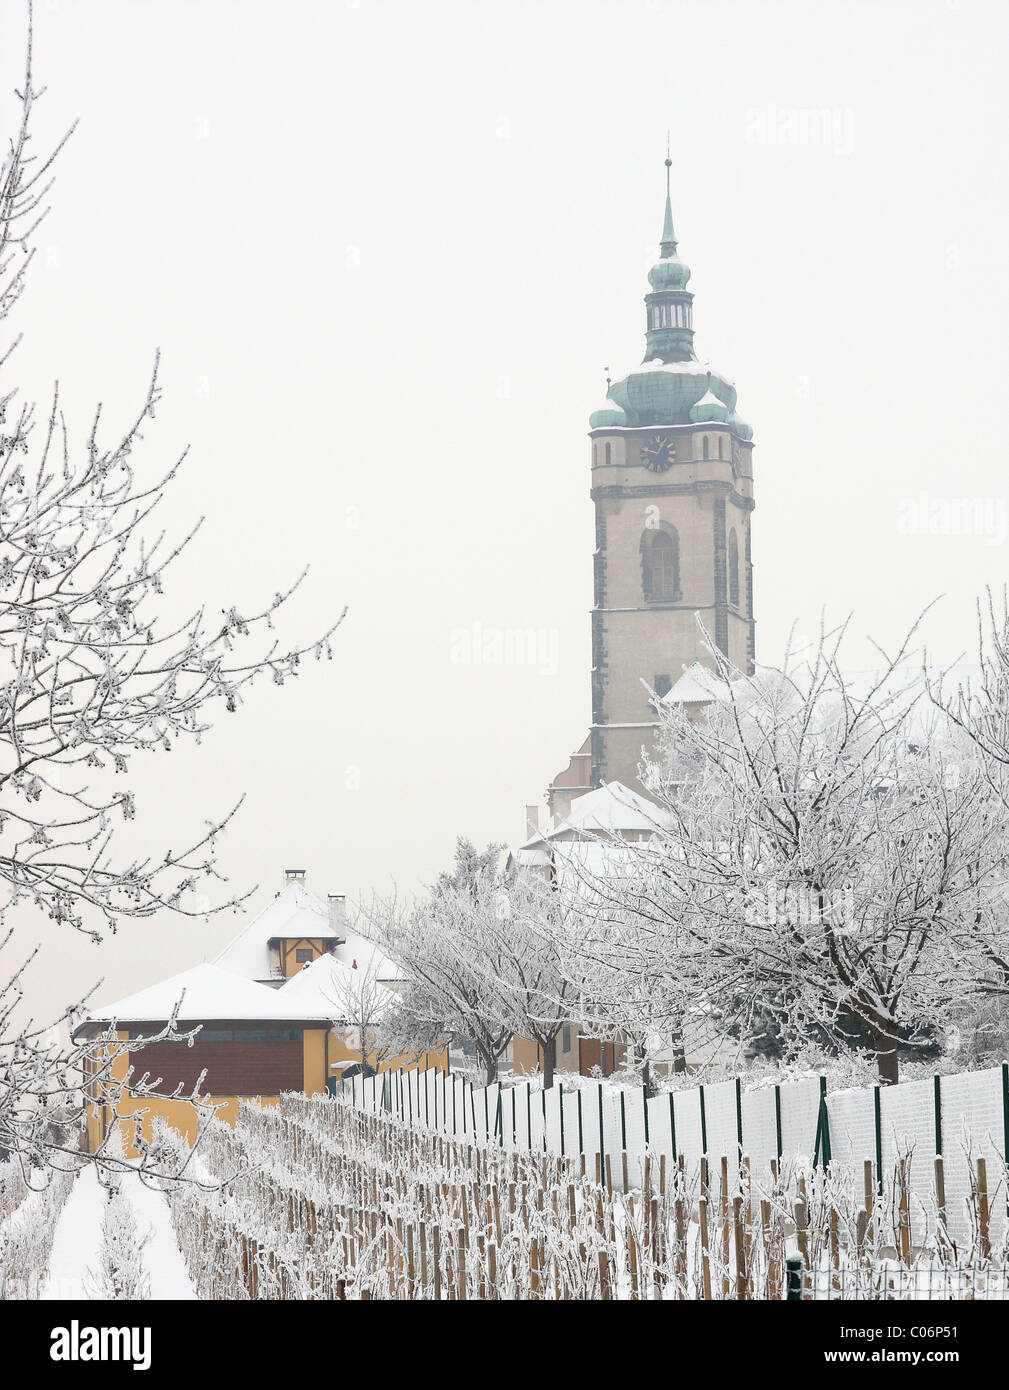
{"x":387,"y":251}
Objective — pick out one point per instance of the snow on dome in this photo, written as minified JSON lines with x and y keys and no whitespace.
{"x":202,"y":992}
{"x":609,"y":414}
{"x":741,"y":426}
{"x":709,"y":407}
{"x":295,"y":913}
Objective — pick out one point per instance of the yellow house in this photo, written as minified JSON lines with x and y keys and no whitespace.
{"x":251,"y":1042}
{"x":272,"y":1016}
{"x":299,"y":943}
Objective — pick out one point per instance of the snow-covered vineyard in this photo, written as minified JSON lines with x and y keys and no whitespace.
{"x":320,"y":1199}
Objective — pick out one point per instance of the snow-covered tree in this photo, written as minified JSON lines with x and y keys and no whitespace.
{"x":820,"y":848}
{"x":96,"y":667}
{"x":533,"y":994}
{"x":449,"y":947}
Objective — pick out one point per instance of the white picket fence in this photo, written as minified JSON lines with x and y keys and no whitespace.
{"x":962,"y":1118}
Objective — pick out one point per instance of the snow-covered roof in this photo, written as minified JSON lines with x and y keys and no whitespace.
{"x":356,"y":947}
{"x":606,"y":810}
{"x":295,"y":913}
{"x":206,"y":991}
{"x":697,"y":685}
{"x":905,"y":688}
{"x":322,"y":986}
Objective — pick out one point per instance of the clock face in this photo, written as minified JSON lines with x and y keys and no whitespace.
{"x":658,"y":452}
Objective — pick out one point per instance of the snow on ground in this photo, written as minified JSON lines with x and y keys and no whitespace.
{"x":78,"y":1239}
{"x":162,"y":1256}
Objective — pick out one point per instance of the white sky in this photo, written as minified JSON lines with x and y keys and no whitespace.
{"x":387,"y":250}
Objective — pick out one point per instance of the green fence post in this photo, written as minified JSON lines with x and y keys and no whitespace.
{"x":739,"y":1116}
{"x":824,"y":1124}
{"x":602,"y":1141}
{"x":777,"y":1119}
{"x":937,"y":1092}
{"x":581,"y":1133}
{"x":1005,"y":1117}
{"x":644,"y":1103}
{"x":793,"y":1279}
{"x":672,"y":1125}
{"x":879,"y":1139}
{"x":704,"y":1122}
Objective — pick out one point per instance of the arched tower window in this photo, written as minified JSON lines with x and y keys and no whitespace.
{"x":704,"y":446}
{"x":660,"y":564}
{"x":719,"y":446}
{"x":607,"y":454}
{"x":733,"y":569}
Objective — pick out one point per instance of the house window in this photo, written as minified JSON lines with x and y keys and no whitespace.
{"x":566,"y":1038}
{"x":304,"y":954}
{"x":733,"y":569}
{"x":661,"y":565}
{"x":662,"y":685}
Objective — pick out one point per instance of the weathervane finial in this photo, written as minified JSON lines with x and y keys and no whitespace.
{"x":668,"y":242}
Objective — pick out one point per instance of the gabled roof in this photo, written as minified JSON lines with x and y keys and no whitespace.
{"x":322,"y":986}
{"x":696,"y":686}
{"x":612,"y":809}
{"x":206,"y":991}
{"x":295,"y":913}
{"x":368,"y":957}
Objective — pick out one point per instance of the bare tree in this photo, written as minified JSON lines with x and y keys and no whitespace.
{"x":93,"y":668}
{"x":449,"y":946}
{"x":535,"y":997}
{"x":366,"y":1007}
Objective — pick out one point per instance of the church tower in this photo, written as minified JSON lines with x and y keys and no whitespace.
{"x":672,"y":484}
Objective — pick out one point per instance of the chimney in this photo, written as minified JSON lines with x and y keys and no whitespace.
{"x":294,"y":876}
{"x":532,"y":821}
{"x":338,"y":914}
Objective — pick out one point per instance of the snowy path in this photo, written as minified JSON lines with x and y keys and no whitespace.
{"x":79,"y":1233}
